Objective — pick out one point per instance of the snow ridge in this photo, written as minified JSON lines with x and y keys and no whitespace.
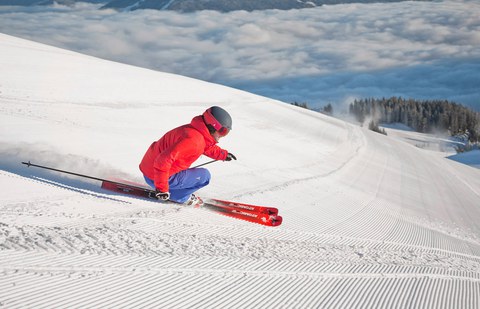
{"x":165,"y":7}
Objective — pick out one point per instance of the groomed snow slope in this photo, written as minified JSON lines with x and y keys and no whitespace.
{"x":369,"y":221}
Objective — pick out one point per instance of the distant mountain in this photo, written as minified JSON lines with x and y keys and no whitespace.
{"x":24,"y":2}
{"x":46,"y":2}
{"x":228,"y":5}
{"x":199,"y":5}
{"x":216,"y":5}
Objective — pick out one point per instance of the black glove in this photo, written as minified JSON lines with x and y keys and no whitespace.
{"x":230,"y":157}
{"x":163,"y":196}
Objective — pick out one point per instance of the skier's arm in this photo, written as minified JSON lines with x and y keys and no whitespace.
{"x":216,"y":153}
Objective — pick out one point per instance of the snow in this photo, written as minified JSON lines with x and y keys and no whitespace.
{"x":370,"y":221}
{"x":440,"y":143}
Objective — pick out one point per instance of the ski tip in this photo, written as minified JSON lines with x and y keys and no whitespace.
{"x":276,"y":220}
{"x":270,"y":220}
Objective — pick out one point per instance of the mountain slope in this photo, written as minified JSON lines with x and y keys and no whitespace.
{"x":198,"y":5}
{"x":228,"y":5}
{"x":369,"y":221}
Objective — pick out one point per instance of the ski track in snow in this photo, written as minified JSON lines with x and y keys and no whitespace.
{"x":369,"y":221}
{"x":159,"y":256}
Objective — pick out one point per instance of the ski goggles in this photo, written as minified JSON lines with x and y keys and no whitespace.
{"x":223,"y":131}
{"x":209,"y":119}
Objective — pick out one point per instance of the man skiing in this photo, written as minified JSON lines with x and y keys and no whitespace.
{"x":166,"y":164}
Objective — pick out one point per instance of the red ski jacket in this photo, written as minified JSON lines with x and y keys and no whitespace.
{"x":177,"y":150}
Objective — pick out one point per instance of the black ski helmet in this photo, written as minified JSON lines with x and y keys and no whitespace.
{"x":218,"y":119}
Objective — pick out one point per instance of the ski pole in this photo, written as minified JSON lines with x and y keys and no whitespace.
{"x":205,"y":163}
{"x":28,"y":164}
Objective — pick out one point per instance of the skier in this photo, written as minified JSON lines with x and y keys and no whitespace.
{"x":166,"y":164}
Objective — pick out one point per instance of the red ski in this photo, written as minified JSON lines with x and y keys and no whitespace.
{"x":252,"y":213}
{"x":247,"y":215}
{"x":245,"y":207}
{"x":129,"y":188}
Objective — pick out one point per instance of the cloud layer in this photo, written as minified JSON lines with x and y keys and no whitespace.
{"x":324,"y":55}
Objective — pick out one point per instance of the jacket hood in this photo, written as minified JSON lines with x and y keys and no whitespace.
{"x":198,"y":123}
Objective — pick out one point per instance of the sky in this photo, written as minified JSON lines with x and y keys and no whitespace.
{"x":330,"y":54}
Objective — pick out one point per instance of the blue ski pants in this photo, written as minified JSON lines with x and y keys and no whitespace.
{"x":184,"y":183}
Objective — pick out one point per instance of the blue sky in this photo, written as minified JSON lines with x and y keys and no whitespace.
{"x":331,"y":54}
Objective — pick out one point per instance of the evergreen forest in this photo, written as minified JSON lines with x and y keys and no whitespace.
{"x":422,"y":116}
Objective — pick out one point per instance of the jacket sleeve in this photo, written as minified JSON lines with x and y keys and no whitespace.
{"x":216,"y":153}
{"x":163,"y":162}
